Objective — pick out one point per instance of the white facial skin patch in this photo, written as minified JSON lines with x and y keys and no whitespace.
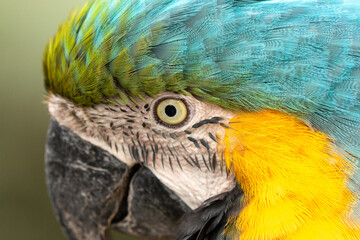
{"x":183,"y":156}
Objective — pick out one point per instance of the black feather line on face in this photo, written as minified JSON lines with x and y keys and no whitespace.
{"x":170,"y":151}
{"x":146,"y":149}
{"x":162,"y":160}
{"x":173,"y":136}
{"x":193,"y":140}
{"x":154,"y":158}
{"x":203,"y":158}
{"x":195,"y":162}
{"x":141,"y":153}
{"x":170,"y":162}
{"x":213,"y":120}
{"x":177,"y":159}
{"x":214,"y":162}
{"x":188,"y":161}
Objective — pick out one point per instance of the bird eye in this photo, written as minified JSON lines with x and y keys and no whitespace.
{"x":171,"y":112}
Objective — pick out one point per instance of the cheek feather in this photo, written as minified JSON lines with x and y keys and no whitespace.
{"x":295,"y":184}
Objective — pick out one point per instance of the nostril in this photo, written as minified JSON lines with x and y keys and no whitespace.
{"x":122,"y":211}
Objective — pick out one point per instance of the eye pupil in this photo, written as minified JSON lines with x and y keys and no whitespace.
{"x":170,"y":110}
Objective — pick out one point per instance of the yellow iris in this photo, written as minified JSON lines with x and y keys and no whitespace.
{"x":171,"y":111}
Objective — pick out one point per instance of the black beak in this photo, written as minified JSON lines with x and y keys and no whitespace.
{"x":92,"y":191}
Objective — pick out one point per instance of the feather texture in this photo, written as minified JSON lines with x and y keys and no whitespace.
{"x":301,"y":57}
{"x":294,"y":182}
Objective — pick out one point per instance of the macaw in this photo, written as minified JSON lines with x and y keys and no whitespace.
{"x":206,"y":119}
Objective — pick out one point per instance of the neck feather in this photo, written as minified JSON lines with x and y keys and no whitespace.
{"x":295,"y":184}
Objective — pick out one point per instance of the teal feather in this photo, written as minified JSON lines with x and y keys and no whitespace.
{"x":301,"y":57}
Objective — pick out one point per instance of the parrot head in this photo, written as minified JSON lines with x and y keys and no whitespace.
{"x":204,"y":120}
{"x":121,"y":85}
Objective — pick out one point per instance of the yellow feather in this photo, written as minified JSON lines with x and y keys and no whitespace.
{"x":294,"y":182}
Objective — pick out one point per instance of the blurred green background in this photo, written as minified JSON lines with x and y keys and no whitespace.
{"x":25,"y":27}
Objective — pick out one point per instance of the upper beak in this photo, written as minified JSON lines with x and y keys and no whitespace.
{"x":92,"y":191}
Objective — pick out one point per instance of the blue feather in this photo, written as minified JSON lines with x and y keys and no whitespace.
{"x":300,"y":56}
